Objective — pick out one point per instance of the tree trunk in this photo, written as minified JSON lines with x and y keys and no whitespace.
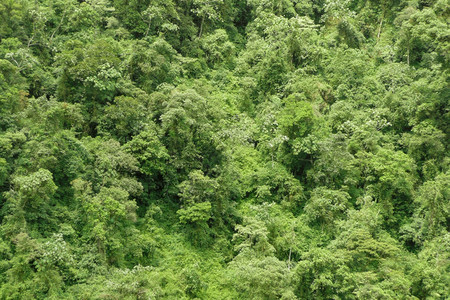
{"x":201,"y":27}
{"x":379,"y":29}
{"x":407,"y":55}
{"x":289,"y":260}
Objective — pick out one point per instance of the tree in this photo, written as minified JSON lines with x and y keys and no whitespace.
{"x":362,"y":262}
{"x":153,"y":64}
{"x":202,"y":205}
{"x":255,"y":272}
{"x":151,"y":154}
{"x":11,"y":92}
{"x":109,"y":217}
{"x":326,"y":206}
{"x":160,"y":16}
{"x":431,"y":212}
{"x":422,"y":37}
{"x":429,"y":274}
{"x":207,"y":10}
{"x":224,"y":149}
{"x":11,"y":14}
{"x":217,"y":47}
{"x":91,"y":72}
{"x":29,"y":202}
{"x":389,"y":176}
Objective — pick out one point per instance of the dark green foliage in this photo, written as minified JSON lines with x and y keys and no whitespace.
{"x":224,"y":149}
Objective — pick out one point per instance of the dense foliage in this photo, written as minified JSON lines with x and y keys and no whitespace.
{"x":224,"y":149}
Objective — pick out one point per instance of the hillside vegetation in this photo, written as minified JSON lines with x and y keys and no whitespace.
{"x":224,"y":149}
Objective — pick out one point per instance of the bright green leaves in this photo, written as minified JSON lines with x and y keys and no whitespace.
{"x":124,"y":119}
{"x":55,"y":265}
{"x":393,"y":170}
{"x":152,"y":64}
{"x":29,"y":202}
{"x":335,"y":166}
{"x":316,"y":274}
{"x":362,"y":236}
{"x":35,"y":188}
{"x":130,"y":15}
{"x":390,"y":176}
{"x":160,"y":17}
{"x":150,"y":152}
{"x":326,"y":206}
{"x":362,"y":262}
{"x":337,"y":10}
{"x":255,"y":272}
{"x":10,"y":146}
{"x":195,"y":213}
{"x":56,"y":252}
{"x":264,"y":278}
{"x":206,"y":209}
{"x":94,"y":71}
{"x":423,"y":37}
{"x":187,"y":128}
{"x":108,"y":215}
{"x":11,"y":84}
{"x":346,"y":71}
{"x":224,"y":149}
{"x":218,"y":48}
{"x":430,"y":273}
{"x":273,"y":183}
{"x":207,"y":10}
{"x":252,"y":239}
{"x":11,"y":14}
{"x":196,"y":195}
{"x":85,"y":16}
{"x":277,"y":46}
{"x":425,"y":142}
{"x":432,"y":208}
{"x":110,"y":166}
{"x":21,"y":268}
{"x":296,"y":119}
{"x":433,"y":199}
{"x":281,"y":8}
{"x":104,"y":193}
{"x":338,"y":13}
{"x":55,"y":116}
{"x":3,"y":170}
